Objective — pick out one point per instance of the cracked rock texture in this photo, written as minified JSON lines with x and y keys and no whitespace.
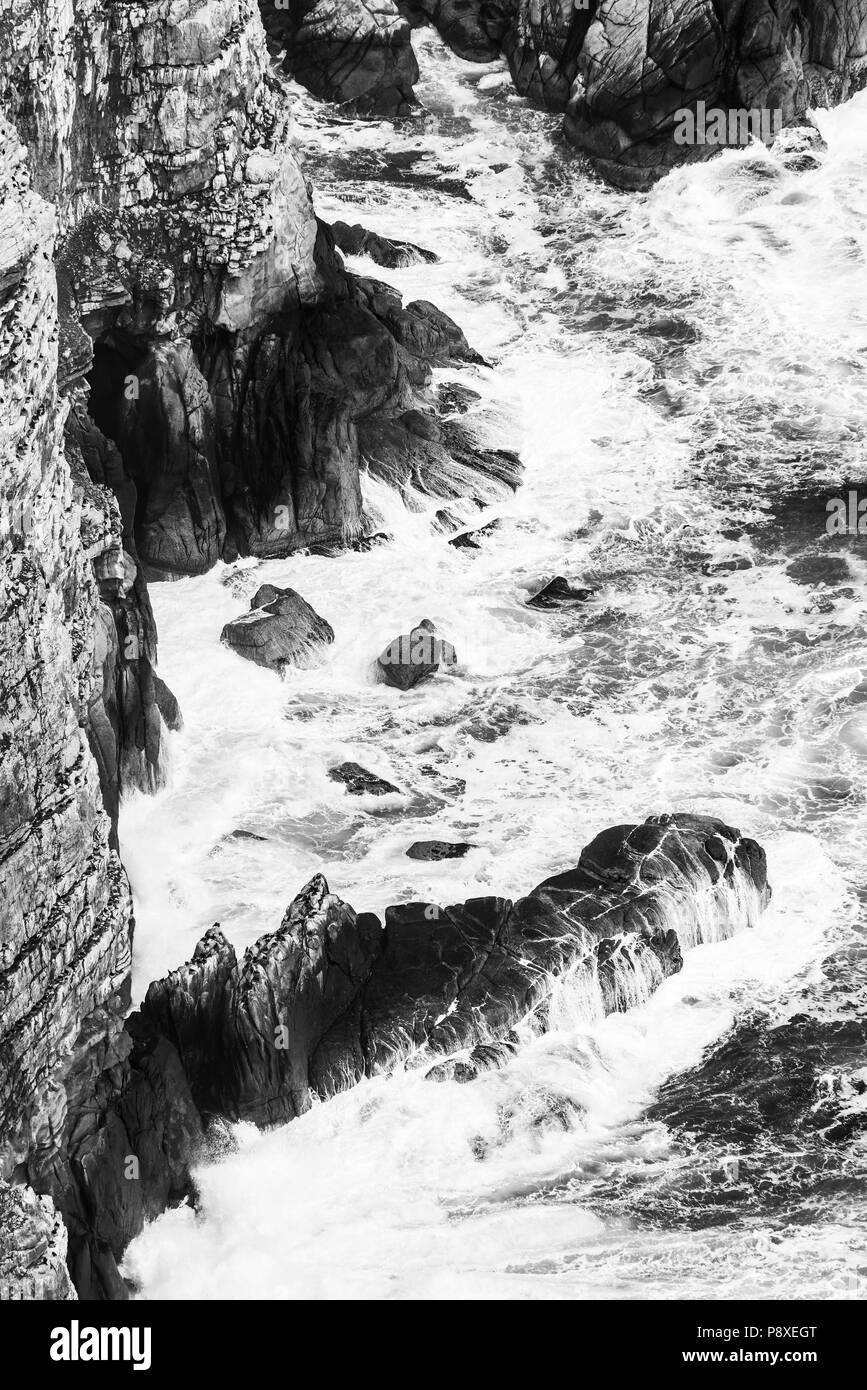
{"x":621,"y":69}
{"x":32,"y":1247}
{"x":356,"y":52}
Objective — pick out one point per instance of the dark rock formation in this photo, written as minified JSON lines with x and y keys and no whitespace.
{"x":415,"y":656}
{"x":559,"y":593}
{"x":358,"y":241}
{"x":622,"y":70}
{"x":356,"y":52}
{"x":359,"y":782}
{"x":471,"y":540}
{"x":438,"y":849}
{"x":331,"y":997}
{"x":280,"y":630}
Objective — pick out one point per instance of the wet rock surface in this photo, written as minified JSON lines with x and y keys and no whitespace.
{"x":356,"y":240}
{"x":415,"y":656}
{"x":359,"y":782}
{"x":281,"y":630}
{"x":559,"y":593}
{"x":432,"y":850}
{"x":332,"y":996}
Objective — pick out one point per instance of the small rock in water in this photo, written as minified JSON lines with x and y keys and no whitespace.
{"x":358,"y":241}
{"x":472,"y":539}
{"x":438,"y":849}
{"x":359,"y":782}
{"x":280,"y":630}
{"x":415,"y":656}
{"x":559,"y":594}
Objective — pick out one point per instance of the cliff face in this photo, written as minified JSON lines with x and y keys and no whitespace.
{"x":65,"y":926}
{"x":187,"y":371}
{"x":621,"y":69}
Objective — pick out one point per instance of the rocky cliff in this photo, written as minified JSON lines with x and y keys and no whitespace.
{"x":187,"y":371}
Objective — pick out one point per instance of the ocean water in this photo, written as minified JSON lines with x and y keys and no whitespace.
{"x":684,"y":374}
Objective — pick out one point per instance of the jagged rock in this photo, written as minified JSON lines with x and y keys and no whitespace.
{"x":331,"y":997}
{"x":471,"y":540}
{"x":351,"y":51}
{"x":359,"y":782}
{"x":438,"y":849}
{"x":281,"y":630}
{"x":559,"y":593}
{"x":415,"y":656}
{"x":358,"y":241}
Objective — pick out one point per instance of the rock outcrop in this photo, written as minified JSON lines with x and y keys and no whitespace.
{"x":332,"y":996}
{"x":356,"y":240}
{"x":621,"y":70}
{"x":356,"y":52}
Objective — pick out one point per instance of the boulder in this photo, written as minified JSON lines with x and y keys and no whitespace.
{"x":281,"y":631}
{"x":415,"y":656}
{"x":331,"y":997}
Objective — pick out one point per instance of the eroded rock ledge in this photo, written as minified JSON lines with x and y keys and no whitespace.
{"x":333,"y":996}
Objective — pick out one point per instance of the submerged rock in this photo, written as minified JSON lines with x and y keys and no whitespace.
{"x":819,"y":569}
{"x":359,"y":782}
{"x":281,"y":630}
{"x":415,"y":656}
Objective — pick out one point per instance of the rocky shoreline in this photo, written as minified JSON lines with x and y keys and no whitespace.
{"x":332,"y":996}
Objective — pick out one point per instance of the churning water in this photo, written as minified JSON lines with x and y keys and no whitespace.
{"x":684,"y":374}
